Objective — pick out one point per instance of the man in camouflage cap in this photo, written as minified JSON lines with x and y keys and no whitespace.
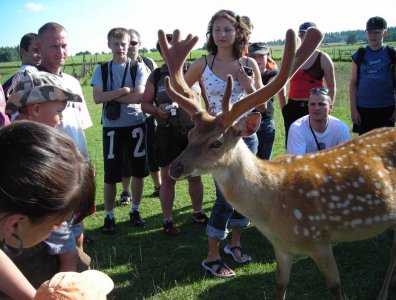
{"x":39,"y":96}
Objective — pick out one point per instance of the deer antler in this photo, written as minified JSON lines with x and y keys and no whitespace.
{"x":175,"y":55}
{"x":265,"y":93}
{"x":291,"y":62}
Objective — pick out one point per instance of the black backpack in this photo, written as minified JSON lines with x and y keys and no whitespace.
{"x":391,"y":56}
{"x":133,"y":69}
{"x":157,"y":76}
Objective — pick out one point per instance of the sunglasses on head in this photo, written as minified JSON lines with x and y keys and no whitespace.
{"x":231,"y":13}
{"x":133,"y":43}
{"x":319,"y":91}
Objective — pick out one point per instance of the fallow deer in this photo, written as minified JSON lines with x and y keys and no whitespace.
{"x":302,"y":204}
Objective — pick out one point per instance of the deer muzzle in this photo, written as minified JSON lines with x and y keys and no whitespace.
{"x":176,"y":170}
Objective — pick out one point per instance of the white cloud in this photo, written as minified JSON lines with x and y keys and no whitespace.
{"x":34,"y":6}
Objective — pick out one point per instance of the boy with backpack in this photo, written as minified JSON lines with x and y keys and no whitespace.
{"x":150,"y":65}
{"x":123,"y":123}
{"x":372,"y":84}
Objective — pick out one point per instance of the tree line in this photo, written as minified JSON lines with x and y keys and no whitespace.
{"x":350,"y":37}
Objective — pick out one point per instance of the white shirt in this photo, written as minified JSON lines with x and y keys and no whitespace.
{"x":76,"y":117}
{"x":301,"y":140}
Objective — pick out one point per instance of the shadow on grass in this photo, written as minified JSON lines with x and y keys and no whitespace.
{"x":146,"y":264}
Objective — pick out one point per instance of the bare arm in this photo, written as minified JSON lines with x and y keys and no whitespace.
{"x":353,"y":94}
{"x":393,"y":118}
{"x":101,"y":96}
{"x":329,"y":75}
{"x":13,"y":283}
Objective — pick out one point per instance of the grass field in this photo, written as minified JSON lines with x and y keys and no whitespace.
{"x":146,"y":264}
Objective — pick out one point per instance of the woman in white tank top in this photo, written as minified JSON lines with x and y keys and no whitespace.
{"x":227,"y":42}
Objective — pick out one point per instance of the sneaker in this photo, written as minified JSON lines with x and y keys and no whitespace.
{"x":200,"y":218}
{"x":156,"y":191}
{"x":109,"y":225}
{"x":136,"y":219}
{"x":171,"y":229}
{"x":125,"y":198}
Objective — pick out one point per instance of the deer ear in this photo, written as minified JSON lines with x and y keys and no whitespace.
{"x":248,"y":125}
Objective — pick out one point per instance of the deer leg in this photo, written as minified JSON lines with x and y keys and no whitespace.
{"x":324,"y":259}
{"x":392,"y":262}
{"x":284,"y":261}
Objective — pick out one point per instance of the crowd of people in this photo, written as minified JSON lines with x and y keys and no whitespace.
{"x":44,"y":114}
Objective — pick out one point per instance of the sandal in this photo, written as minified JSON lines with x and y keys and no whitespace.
{"x":208,"y":267}
{"x":230,"y":251}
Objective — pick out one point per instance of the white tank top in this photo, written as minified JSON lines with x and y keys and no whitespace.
{"x":215,"y":87}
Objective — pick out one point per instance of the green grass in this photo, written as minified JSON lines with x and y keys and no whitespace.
{"x":146,"y":264}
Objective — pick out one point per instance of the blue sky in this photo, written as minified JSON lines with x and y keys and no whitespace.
{"x":88,"y":21}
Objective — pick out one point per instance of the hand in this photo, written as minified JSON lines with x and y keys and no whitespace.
{"x":246,"y":82}
{"x":355,"y":116}
{"x":125,"y":91}
{"x":393,"y":117}
{"x":162,"y":113}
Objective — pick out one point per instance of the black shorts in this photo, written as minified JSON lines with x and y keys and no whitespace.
{"x":124,"y":153}
{"x":170,"y":141}
{"x":152,"y":161}
{"x":371,"y":118}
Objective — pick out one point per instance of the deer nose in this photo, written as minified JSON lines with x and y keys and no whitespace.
{"x":176,"y":170}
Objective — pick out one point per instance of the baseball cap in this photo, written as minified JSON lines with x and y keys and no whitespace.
{"x":88,"y":285}
{"x":259,"y":48}
{"x":306,"y":25}
{"x":32,"y":86}
{"x":376,"y":23}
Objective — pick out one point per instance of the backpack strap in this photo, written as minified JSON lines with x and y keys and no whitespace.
{"x":358,"y":62}
{"x":133,"y":71}
{"x":104,"y":67}
{"x":157,"y":77}
{"x":148,"y":62}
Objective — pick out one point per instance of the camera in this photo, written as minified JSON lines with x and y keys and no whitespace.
{"x":248,"y":70}
{"x":172,"y":108}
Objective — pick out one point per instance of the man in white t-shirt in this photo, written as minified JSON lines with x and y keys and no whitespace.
{"x":317,"y":130}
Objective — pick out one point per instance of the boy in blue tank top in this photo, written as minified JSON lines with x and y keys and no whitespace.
{"x":372,"y":86}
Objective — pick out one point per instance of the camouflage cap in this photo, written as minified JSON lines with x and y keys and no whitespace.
{"x":33,"y":86}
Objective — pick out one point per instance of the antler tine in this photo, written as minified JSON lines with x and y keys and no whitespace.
{"x":225,"y":102}
{"x":175,"y":55}
{"x":265,"y":93}
{"x":312,"y":39}
{"x":184,"y":100}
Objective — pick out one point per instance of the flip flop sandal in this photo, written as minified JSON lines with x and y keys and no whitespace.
{"x":208,"y":266}
{"x":230,"y":251}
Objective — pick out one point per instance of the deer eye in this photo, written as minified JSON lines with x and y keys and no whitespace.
{"x":216,"y":144}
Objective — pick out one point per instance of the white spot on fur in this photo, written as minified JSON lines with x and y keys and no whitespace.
{"x":296,"y":231}
{"x":378,"y":185}
{"x":297,"y":214}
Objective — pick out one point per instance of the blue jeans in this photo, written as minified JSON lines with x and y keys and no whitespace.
{"x":266,"y":138}
{"x":223,"y":214}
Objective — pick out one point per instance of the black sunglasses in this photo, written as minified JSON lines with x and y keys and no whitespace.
{"x":319,"y":91}
{"x":231,"y":13}
{"x":133,"y":43}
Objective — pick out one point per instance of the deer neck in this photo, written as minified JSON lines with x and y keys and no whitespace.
{"x":240,"y":179}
